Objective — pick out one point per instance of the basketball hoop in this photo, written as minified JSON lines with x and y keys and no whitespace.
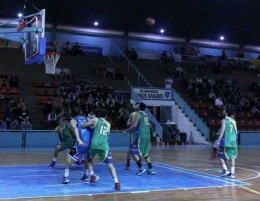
{"x":50,"y":60}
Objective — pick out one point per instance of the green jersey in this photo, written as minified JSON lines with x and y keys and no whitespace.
{"x":100,"y":136}
{"x":64,"y":133}
{"x":143,"y":126}
{"x":132,"y":133}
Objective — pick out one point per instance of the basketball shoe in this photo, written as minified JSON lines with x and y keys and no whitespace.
{"x":65,"y":180}
{"x":225,"y":173}
{"x":117,"y":186}
{"x":52,"y":164}
{"x":140,"y":172}
{"x":127,"y":166}
{"x":93,"y":178}
{"x":85,"y":177}
{"x":232,"y":176}
{"x":151,"y":171}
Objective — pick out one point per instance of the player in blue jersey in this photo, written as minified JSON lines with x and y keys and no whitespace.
{"x":227,"y":143}
{"x":83,"y":137}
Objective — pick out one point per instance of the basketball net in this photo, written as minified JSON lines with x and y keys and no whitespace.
{"x":50,"y":60}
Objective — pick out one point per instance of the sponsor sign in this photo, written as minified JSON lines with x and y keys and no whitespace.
{"x":153,"y":93}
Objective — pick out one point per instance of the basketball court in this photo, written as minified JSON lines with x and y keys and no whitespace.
{"x":181,"y":173}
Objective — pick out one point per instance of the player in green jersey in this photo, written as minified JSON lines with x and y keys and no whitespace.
{"x":99,"y":145}
{"x":141,"y":145}
{"x":66,"y":140}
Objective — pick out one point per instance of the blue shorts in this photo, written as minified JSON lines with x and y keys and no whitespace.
{"x":221,"y":149}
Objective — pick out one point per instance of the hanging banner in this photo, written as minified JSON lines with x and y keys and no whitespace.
{"x":153,"y":93}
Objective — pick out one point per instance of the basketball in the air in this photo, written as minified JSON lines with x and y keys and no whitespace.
{"x":150,"y":21}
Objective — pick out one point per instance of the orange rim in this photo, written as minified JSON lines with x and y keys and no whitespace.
{"x":51,"y":53}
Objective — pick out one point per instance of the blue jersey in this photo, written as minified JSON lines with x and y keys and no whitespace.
{"x":84,"y":133}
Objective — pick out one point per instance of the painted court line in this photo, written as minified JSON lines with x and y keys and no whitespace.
{"x":209,"y":176}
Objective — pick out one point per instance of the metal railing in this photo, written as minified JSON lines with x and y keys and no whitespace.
{"x":191,"y":114}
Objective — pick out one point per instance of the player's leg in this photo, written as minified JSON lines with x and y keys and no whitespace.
{"x":85,"y":176}
{"x":222,"y":158}
{"x":136,"y":155}
{"x":75,"y":153}
{"x":106,"y":157}
{"x":67,"y":169}
{"x":232,"y":172}
{"x":91,"y":155}
{"x":127,"y":165}
{"x":55,"y":155}
{"x":144,"y":150}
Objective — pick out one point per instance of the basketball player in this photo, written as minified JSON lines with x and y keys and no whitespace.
{"x":99,"y":145}
{"x":132,"y":137}
{"x":227,"y":143}
{"x":66,"y":140}
{"x":83,"y":137}
{"x":141,"y":145}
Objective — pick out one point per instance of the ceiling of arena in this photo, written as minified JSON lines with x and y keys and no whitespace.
{"x":237,"y":20}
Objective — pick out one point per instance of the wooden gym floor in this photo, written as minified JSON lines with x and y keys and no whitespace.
{"x":189,"y":162}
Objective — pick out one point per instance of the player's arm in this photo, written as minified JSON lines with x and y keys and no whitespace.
{"x":134,"y":124}
{"x":222,"y":130}
{"x":129,"y":121}
{"x":74,"y":129}
{"x":57,"y":129}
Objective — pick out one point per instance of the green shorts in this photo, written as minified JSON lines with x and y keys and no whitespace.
{"x":104,"y":156}
{"x":66,"y":145}
{"x":144,"y":147}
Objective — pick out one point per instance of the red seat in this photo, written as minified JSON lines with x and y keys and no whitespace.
{"x":37,"y":83}
{"x":250,"y":123}
{"x":4,"y":90}
{"x":39,"y":91}
{"x":212,"y":122}
{"x":14,"y":91}
{"x":55,"y":84}
{"x":49,"y":92}
{"x":42,"y":100}
{"x":241,"y":123}
{"x":195,"y":105}
{"x":204,"y":113}
{"x":256,"y":122}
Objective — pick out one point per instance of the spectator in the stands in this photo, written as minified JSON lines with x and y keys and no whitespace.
{"x":72,"y":97}
{"x":57,"y":104}
{"x":100,"y":71}
{"x":87,"y":91}
{"x":48,"y":107}
{"x":110,"y":72}
{"x":179,"y":71}
{"x":219,"y":103}
{"x":2,"y":101}
{"x":26,"y":124}
{"x":12,"y":104}
{"x":20,"y":103}
{"x":212,"y":95}
{"x":223,"y":54}
{"x":119,"y":74}
{"x":91,"y":115}
{"x":168,"y":82}
{"x":170,"y":71}
{"x":66,"y":48}
{"x":67,"y":73}
{"x":76,"y":49}
{"x":255,"y":111}
{"x":99,"y":99}
{"x":14,"y":125}
{"x":91,"y":80}
{"x":240,"y":54}
{"x":164,"y":57}
{"x":10,"y":117}
{"x":94,"y":107}
{"x":171,"y":58}
{"x":213,"y":112}
{"x":2,"y":124}
{"x":90,"y":99}
{"x":4,"y":79}
{"x":134,"y":54}
{"x":13,"y":81}
{"x":127,"y":53}
{"x":59,"y":73}
{"x":52,"y":119}
{"x":120,"y":119}
{"x":119,"y":100}
{"x":175,"y":49}
{"x":23,"y":114}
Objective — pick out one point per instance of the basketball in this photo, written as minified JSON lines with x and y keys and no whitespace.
{"x":150,"y":21}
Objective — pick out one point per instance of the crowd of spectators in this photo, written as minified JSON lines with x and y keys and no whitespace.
{"x":224,"y":91}
{"x":90,"y":96}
